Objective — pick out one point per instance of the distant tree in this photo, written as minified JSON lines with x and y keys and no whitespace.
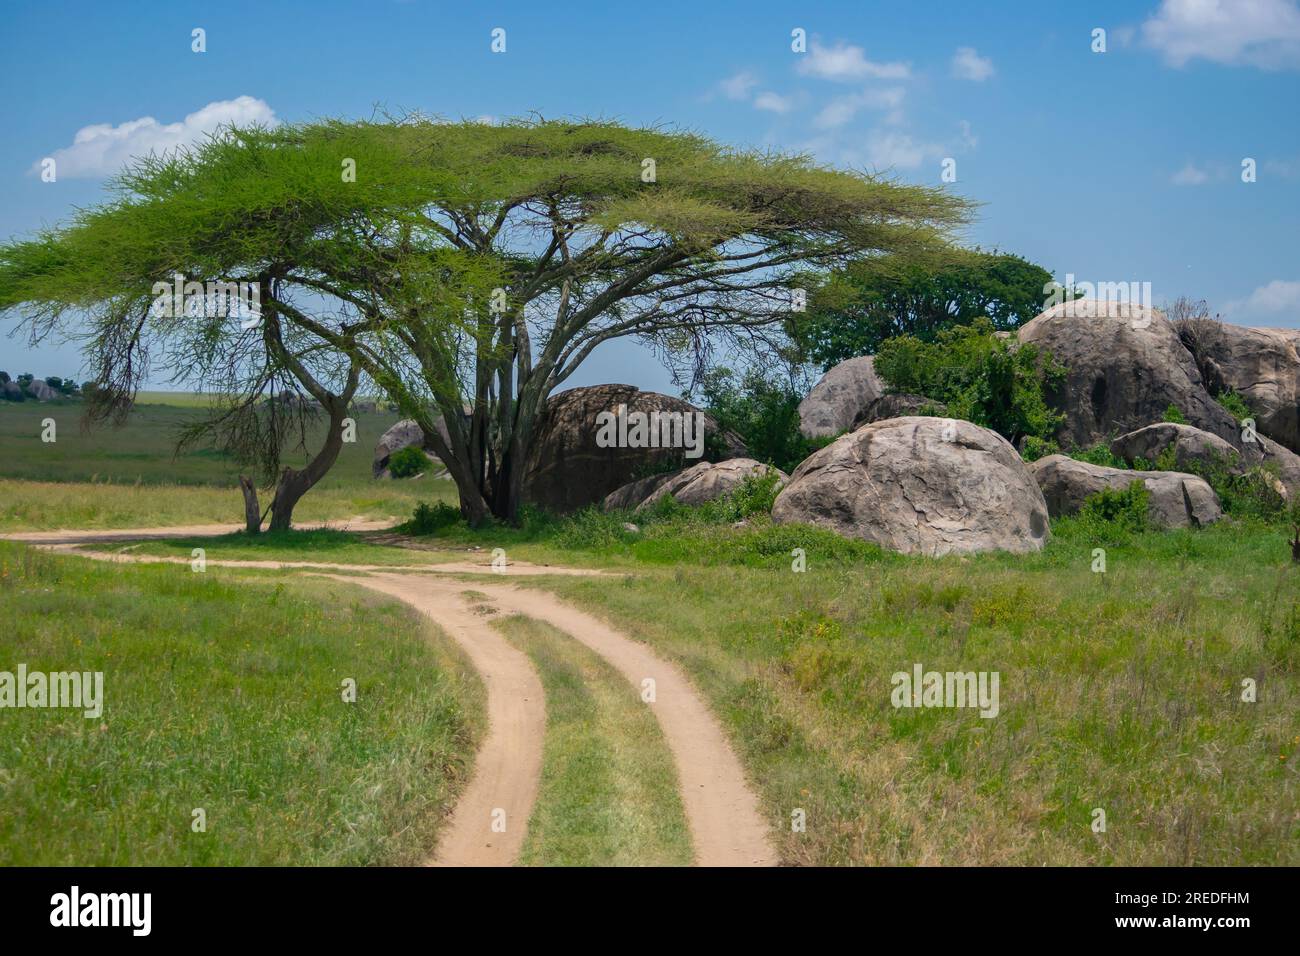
{"x":763,"y":411}
{"x":456,"y":264}
{"x":4,"y":378}
{"x":861,"y":305}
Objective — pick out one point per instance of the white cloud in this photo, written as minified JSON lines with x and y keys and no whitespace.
{"x":1190,"y":175}
{"x":898,"y":150}
{"x":1282,"y":168}
{"x":737,"y":87}
{"x":843,"y":108}
{"x":1261,"y":33}
{"x":772,"y":102}
{"x":844,"y":63}
{"x":1280,"y":297}
{"x":103,"y":149}
{"x":969,"y":65}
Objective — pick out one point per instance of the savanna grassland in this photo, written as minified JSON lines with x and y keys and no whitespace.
{"x":131,"y":476}
{"x":225,"y":693}
{"x":1121,"y":690}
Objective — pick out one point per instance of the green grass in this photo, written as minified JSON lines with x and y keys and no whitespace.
{"x":223,"y":691}
{"x":608,"y":792}
{"x":1118,"y":690}
{"x":130,"y":477}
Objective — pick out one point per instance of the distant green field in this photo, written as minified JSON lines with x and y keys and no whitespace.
{"x":175,"y":399}
{"x":131,"y":476}
{"x":143,"y":450}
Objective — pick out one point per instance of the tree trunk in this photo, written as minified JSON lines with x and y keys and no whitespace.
{"x":252,"y":509}
{"x":1295,"y":547}
{"x":294,"y":483}
{"x":508,"y":492}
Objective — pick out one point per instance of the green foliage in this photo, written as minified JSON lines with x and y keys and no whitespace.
{"x":1126,"y":509}
{"x":1099,"y":454}
{"x":430,"y":519}
{"x":861,"y":306}
{"x":407,"y":462}
{"x":1034,"y":448}
{"x":978,"y":377}
{"x":755,"y":496}
{"x":763,"y":412}
{"x":1250,"y":494}
{"x":1234,"y":403}
{"x":1174,"y":415}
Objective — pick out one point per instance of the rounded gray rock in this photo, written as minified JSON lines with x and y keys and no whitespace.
{"x":930,"y":486}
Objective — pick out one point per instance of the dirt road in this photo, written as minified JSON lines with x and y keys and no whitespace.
{"x":490,"y":820}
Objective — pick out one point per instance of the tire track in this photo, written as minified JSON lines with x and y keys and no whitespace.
{"x":722,"y":811}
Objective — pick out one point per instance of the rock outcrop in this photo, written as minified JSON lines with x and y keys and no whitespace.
{"x":571,"y":465}
{"x":897,"y":405}
{"x":930,"y":486}
{"x":1127,"y":365}
{"x":841,"y":396}
{"x":1196,"y":450}
{"x":1191,"y":446}
{"x":1177,"y":500}
{"x":403,"y":435}
{"x":1262,"y":365}
{"x":706,"y":481}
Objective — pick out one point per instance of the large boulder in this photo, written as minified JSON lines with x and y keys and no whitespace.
{"x":1191,"y":446}
{"x":706,"y":481}
{"x":1127,"y":365}
{"x":840,"y":397}
{"x":1177,"y":500}
{"x":404,"y":434}
{"x":570,"y":465}
{"x":1262,"y":365}
{"x":42,"y":392}
{"x":919,"y":485}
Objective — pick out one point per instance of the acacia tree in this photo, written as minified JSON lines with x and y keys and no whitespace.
{"x":465,"y":269}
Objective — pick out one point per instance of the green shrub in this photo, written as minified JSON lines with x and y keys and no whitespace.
{"x":1034,"y":448}
{"x":763,"y":412}
{"x":1099,"y":454}
{"x":1126,"y":509}
{"x":1252,"y":494}
{"x":976,"y":376}
{"x":430,"y":519}
{"x":407,"y":462}
{"x":755,"y":496}
{"x":1174,"y":415}
{"x":1234,"y":404}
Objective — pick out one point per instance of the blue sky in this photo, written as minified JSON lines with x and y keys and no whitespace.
{"x":1115,"y":166}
